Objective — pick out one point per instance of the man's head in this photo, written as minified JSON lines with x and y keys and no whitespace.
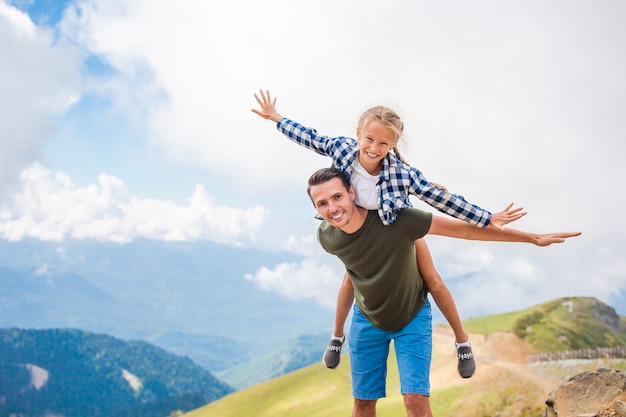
{"x":324,"y":175}
{"x":332,"y":196}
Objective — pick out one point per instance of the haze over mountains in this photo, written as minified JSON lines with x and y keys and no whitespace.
{"x":189,"y":298}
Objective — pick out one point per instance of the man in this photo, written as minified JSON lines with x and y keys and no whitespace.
{"x":390,"y":298}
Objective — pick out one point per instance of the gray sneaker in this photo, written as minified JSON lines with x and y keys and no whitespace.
{"x":466,"y":365}
{"x":332,"y":354}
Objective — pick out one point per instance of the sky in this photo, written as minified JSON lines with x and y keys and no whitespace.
{"x":132,"y":119}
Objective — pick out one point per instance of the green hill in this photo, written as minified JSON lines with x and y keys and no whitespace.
{"x":503,"y":385}
{"x":75,"y":373}
{"x":558,"y":325}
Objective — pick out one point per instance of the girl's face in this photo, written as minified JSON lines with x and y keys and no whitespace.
{"x":375,"y":142}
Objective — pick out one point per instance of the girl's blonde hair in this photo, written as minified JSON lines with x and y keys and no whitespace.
{"x":392,"y":120}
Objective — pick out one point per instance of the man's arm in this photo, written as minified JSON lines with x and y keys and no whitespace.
{"x":454,"y":228}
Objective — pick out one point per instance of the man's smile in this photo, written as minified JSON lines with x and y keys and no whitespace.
{"x":337,"y":216}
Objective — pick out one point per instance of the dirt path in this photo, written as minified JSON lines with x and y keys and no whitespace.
{"x":499,"y":356}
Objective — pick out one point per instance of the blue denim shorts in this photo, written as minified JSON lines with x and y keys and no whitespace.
{"x":369,"y":349}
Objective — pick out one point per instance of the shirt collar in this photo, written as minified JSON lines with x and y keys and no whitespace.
{"x":384,"y":171}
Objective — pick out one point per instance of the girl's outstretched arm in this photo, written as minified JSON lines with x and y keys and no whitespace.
{"x":268,"y":106}
{"x":336,"y":148}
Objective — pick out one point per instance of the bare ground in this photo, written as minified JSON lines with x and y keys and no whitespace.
{"x":500,"y":362}
{"x":504,"y":381}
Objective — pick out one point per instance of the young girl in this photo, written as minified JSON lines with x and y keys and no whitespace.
{"x":383,"y":181}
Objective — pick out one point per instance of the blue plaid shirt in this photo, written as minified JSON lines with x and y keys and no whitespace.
{"x":396,"y":182}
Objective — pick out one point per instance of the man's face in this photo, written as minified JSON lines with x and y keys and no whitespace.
{"x":333,"y":202}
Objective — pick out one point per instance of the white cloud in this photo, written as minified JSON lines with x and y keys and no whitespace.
{"x":41,"y":79}
{"x":21,"y":22}
{"x":50,"y":207}
{"x":473,"y":260}
{"x":522,"y":275}
{"x":302,"y":245}
{"x":523,"y":268}
{"x":42,"y":270}
{"x":311,"y":278}
{"x":525,"y":106}
{"x":468,"y":90}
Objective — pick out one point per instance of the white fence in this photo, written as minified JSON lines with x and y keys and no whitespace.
{"x":597,"y":353}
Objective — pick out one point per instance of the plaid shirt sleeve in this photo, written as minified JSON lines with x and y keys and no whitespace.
{"x":337,"y":148}
{"x":451,"y":204}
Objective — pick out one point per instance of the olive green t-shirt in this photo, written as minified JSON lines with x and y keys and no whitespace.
{"x":388,"y":288}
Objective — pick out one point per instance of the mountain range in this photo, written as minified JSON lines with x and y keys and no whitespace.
{"x":67,"y":372}
{"x":189,"y":298}
{"x":73,"y":373}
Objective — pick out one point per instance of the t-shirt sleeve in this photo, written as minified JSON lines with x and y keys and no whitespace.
{"x":416,"y":222}
{"x":322,"y":236}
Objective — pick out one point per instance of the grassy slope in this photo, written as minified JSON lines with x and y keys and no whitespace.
{"x":318,"y":392}
{"x":503,"y":384}
{"x":552,"y":327}
{"x":313,"y":391}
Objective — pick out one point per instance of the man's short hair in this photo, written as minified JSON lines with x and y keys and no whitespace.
{"x":324,"y":175}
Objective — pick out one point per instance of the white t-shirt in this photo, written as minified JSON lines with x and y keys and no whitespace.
{"x":365,"y":187}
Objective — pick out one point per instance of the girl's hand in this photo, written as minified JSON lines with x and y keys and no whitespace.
{"x":268,"y":107}
{"x":506,"y":216}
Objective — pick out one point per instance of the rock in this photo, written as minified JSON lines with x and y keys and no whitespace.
{"x":589,"y":394}
{"x":620,"y":408}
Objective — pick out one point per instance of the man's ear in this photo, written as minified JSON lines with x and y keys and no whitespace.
{"x":352,"y":193}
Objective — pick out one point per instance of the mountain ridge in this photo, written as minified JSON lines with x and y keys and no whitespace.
{"x":70,"y":372}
